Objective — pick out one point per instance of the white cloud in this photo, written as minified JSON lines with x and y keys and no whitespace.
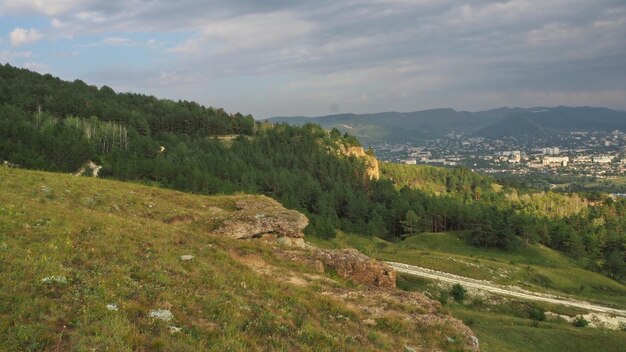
{"x":116,"y":41}
{"x":258,"y":31}
{"x":21,"y":36}
{"x":7,"y":55}
{"x":364,"y":54}
{"x":43,"y":7}
{"x":37,"y":66}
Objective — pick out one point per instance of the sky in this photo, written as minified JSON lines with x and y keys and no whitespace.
{"x":280,"y":58}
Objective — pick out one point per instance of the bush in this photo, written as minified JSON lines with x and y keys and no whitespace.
{"x":537,"y":314}
{"x":443,"y":297}
{"x":469,"y":321}
{"x":580,"y":322}
{"x":458,"y":292}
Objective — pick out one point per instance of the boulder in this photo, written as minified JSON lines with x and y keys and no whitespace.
{"x":353,"y":265}
{"x":257,"y":216}
{"x":89,"y":165}
{"x":292,"y":242}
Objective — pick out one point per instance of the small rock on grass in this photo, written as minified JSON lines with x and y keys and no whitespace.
{"x":54,"y":280}
{"x":186,"y":257}
{"x":161,"y":314}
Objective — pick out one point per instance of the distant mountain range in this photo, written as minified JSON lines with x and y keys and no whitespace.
{"x":495,"y":123}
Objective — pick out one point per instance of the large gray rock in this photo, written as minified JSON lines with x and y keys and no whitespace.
{"x":257,"y":216}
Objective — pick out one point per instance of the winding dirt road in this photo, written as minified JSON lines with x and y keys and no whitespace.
{"x":501,"y":290}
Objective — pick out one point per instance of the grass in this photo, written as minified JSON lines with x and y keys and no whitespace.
{"x":534,"y":267}
{"x":501,"y":332}
{"x":120,"y":243}
{"x":508,"y":325}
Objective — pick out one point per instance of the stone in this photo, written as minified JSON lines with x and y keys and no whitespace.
{"x":268,"y":237}
{"x":259,"y":215}
{"x":291,"y":242}
{"x":353,"y":265}
{"x":186,"y":257}
{"x":369,"y":322}
{"x":95,"y":169}
{"x":161,"y":314}
{"x":61,"y":280}
{"x":474,"y":342}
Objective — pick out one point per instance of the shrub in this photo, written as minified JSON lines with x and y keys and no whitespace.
{"x":580,"y":322}
{"x":458,"y":292}
{"x":469,"y":321}
{"x":537,"y":314}
{"x":443,"y":297}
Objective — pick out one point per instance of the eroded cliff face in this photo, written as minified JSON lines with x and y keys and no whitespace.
{"x":373,"y":170}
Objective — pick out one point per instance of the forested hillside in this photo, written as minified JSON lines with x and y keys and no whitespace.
{"x":49,"y":124}
{"x":396,"y":127}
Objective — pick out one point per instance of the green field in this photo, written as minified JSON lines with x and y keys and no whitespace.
{"x":85,"y":263}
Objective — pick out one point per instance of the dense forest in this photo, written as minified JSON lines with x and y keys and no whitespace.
{"x":49,"y":124}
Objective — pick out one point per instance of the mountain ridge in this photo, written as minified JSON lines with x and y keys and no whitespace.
{"x":493,"y":123}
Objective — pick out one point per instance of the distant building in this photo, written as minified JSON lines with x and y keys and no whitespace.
{"x":602,"y":159}
{"x":555,"y":161}
{"x":551,"y":151}
{"x":582,"y":159}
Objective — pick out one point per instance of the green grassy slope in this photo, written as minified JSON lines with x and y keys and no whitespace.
{"x":534,"y":267}
{"x":504,"y":325}
{"x":70,"y":246}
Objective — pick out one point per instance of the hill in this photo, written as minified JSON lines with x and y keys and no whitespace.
{"x":560,"y":119}
{"x":505,"y":323}
{"x":323,"y":174}
{"x":90,"y":264}
{"x":395,"y":127}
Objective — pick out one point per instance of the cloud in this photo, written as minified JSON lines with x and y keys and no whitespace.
{"x":21,"y":36}
{"x":7,"y":56}
{"x":45,"y":7}
{"x":116,"y":41}
{"x":37,"y":66}
{"x":360,"y":54}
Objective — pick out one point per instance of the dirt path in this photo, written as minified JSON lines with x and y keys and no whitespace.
{"x":502,"y":290}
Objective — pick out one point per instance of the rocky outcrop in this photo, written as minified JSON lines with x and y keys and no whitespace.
{"x":374,"y":305}
{"x":373,"y":170}
{"x":351,"y":264}
{"x":347,"y":263}
{"x":258,"y":216}
{"x":89,"y":165}
{"x":266,"y":219}
{"x":9,"y":164}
